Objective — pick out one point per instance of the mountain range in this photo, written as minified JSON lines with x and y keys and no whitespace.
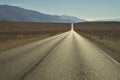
{"x":18,"y":14}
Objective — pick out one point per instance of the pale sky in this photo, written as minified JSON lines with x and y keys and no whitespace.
{"x":84,"y":9}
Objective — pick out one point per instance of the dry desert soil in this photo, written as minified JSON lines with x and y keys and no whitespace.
{"x":14,"y":34}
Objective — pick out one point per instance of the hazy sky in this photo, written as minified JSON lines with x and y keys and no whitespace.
{"x":85,"y":9}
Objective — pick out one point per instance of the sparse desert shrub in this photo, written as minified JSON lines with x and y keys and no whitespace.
{"x":20,"y":37}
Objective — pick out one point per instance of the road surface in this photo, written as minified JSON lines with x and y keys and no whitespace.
{"x":67,"y":56}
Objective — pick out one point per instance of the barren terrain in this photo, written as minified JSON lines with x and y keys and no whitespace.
{"x":14,"y":34}
{"x":106,"y":35}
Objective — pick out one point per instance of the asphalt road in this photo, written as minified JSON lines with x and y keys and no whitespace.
{"x":67,"y":56}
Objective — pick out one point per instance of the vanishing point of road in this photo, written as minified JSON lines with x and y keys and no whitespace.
{"x":67,"y":56}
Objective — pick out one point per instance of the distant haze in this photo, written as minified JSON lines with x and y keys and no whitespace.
{"x":114,"y":19}
{"x":84,"y":9}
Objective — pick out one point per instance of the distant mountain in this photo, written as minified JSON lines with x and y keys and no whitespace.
{"x":17,"y":14}
{"x":74,"y":19}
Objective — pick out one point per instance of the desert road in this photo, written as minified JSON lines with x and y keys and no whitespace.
{"x":67,"y":56}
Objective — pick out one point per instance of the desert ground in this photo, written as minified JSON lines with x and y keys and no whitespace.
{"x":14,"y":34}
{"x":106,"y":35}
